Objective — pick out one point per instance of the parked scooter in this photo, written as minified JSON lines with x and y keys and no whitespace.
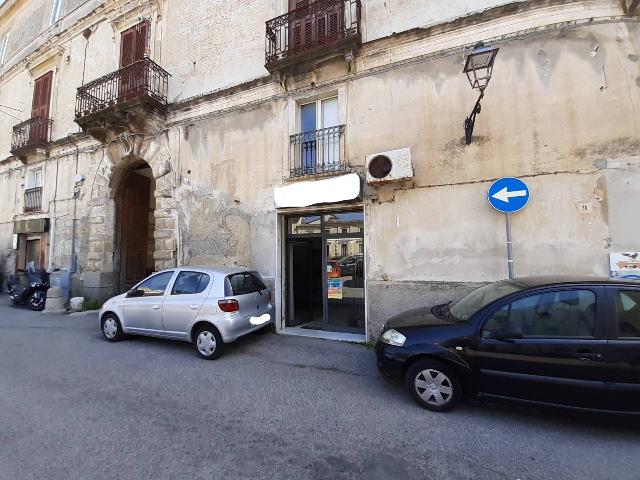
{"x":29,"y":289}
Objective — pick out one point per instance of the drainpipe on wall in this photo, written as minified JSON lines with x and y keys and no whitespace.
{"x":76,"y":193}
{"x":52,"y":230}
{"x":76,"y":189}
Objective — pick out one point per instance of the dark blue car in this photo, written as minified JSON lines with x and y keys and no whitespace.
{"x":547,"y":340}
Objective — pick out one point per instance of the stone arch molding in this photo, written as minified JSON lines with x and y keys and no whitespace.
{"x":119,"y":155}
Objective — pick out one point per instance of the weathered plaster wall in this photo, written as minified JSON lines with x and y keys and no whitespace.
{"x":14,"y":94}
{"x":549,"y":116}
{"x":70,"y":5}
{"x":386,"y":17}
{"x":223,"y":46}
{"x":25,"y":27}
{"x":229,"y":165}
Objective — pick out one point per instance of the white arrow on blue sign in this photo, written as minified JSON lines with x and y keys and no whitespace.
{"x":508,"y":195}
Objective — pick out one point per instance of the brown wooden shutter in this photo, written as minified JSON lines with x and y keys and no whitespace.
{"x":42,"y":96}
{"x":38,"y":131}
{"x":322,"y":30}
{"x":134,"y":43}
{"x":333,"y":26}
{"x":295,"y":4}
{"x":127,"y":47}
{"x":142,"y":36}
{"x":308,"y":32}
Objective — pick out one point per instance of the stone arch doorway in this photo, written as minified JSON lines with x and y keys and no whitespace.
{"x":101,"y":267}
{"x":135,"y":204}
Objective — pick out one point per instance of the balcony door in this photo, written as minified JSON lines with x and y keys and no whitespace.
{"x":315,"y":28}
{"x":319,"y":148}
{"x":134,"y":43}
{"x":40,"y":109}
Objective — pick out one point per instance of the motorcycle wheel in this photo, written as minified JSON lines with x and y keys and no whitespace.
{"x":37,"y":302}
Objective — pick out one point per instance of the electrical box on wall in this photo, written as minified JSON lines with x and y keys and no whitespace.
{"x":391,"y":166}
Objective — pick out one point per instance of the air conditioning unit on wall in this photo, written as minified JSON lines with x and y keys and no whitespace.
{"x":391,"y":166}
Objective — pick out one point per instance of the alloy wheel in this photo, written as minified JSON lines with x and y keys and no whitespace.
{"x":434,"y":387}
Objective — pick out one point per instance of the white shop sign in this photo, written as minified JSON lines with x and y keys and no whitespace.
{"x":314,"y":192}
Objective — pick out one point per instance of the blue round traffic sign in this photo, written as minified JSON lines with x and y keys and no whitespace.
{"x":508,"y":194}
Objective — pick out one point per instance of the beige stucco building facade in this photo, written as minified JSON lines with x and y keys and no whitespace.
{"x":222,"y":139}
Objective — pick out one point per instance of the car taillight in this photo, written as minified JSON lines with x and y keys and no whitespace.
{"x":269,"y":294}
{"x":228,"y":306}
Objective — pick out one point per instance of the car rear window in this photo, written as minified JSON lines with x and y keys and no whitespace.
{"x":245,"y":283}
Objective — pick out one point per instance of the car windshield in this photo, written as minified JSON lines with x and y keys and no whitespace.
{"x":463,"y":309}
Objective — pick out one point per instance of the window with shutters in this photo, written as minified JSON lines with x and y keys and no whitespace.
{"x":134,"y":44}
{"x":56,"y":11}
{"x":138,"y":81}
{"x":310,"y":27}
{"x":39,"y":129}
{"x":35,"y":131}
{"x":316,"y":29}
{"x":42,"y":96}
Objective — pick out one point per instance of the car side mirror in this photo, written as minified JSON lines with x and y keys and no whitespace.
{"x":507,"y":334}
{"x":135,"y":292}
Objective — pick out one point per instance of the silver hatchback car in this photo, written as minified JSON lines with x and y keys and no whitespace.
{"x":208,"y":307}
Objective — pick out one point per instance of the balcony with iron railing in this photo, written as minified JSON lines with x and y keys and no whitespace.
{"x":319,"y":152}
{"x":143,"y":83}
{"x":30,"y":135}
{"x":320,"y":28}
{"x":33,"y":199}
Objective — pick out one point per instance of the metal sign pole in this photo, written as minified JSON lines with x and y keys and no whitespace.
{"x":509,"y":245}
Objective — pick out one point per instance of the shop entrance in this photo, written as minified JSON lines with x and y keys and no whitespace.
{"x":325,"y":272}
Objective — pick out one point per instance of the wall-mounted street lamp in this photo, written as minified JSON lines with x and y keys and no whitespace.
{"x":479,"y":68}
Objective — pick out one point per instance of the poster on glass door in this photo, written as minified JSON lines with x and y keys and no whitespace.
{"x":334,"y":288}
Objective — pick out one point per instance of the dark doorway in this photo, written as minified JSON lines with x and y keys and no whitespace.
{"x":135,"y":205}
{"x":305,"y":294}
{"x":325,"y":271}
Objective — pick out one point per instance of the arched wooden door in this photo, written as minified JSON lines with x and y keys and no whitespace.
{"x":133,"y":229}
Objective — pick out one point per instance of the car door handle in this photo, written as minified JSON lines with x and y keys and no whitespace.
{"x":193,"y":307}
{"x":586,"y":355}
{"x":156,"y":307}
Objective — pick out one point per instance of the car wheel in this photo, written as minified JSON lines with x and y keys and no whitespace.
{"x":111,"y":328}
{"x":37,"y":301}
{"x":434,"y":385}
{"x":208,"y":343}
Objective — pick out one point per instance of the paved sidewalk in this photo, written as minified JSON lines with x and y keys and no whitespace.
{"x":73,"y":406}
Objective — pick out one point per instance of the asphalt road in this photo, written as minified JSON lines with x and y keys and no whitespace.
{"x":73,"y":406}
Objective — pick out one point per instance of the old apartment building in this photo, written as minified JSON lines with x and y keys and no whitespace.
{"x":137,"y":135}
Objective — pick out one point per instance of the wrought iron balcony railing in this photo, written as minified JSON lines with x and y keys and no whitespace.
{"x":35,"y":132}
{"x":315,"y":28}
{"x":141,"y":80}
{"x":33,"y":199}
{"x":317,"y":152}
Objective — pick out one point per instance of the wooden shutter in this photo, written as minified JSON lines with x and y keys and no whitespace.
{"x":142,"y":36}
{"x":295,"y":4}
{"x":42,"y":96}
{"x":322,"y":30}
{"x":333,"y":25}
{"x":127,"y":47}
{"x":134,"y":43}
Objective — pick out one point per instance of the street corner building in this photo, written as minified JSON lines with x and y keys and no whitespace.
{"x":322,"y":143}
